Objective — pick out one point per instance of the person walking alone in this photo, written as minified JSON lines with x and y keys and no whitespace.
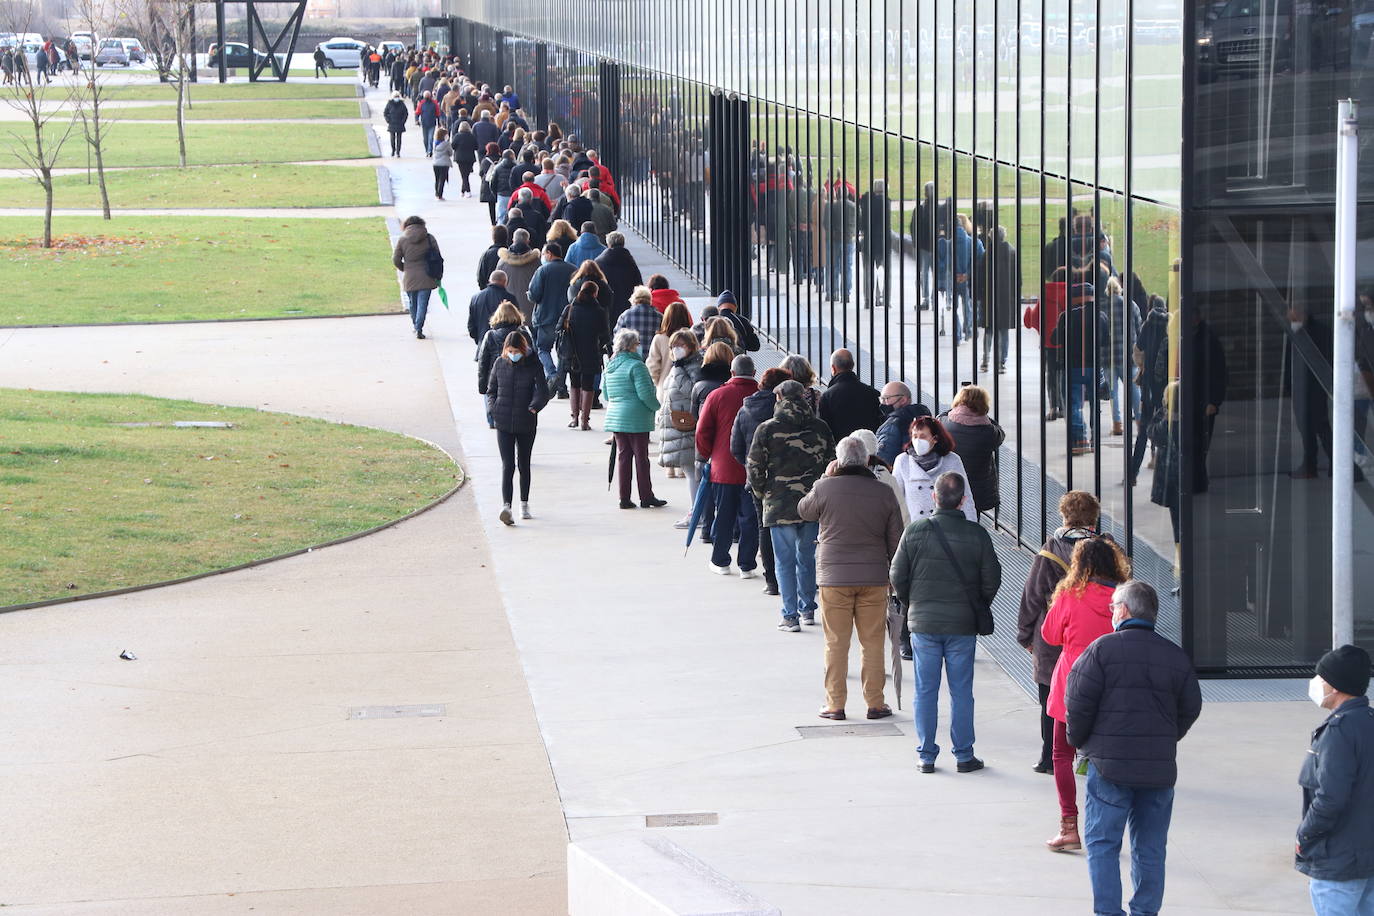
{"x":411,"y":257}
{"x":319,"y":63}
{"x":464,"y":156}
{"x":441,"y":158}
{"x":630,"y":409}
{"x":1080,"y":612}
{"x":1130,"y":698}
{"x":395,"y":114}
{"x":516,"y":392}
{"x":1335,"y":847}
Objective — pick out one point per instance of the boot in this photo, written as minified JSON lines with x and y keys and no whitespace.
{"x":587,"y":400}
{"x":574,"y":405}
{"x":1068,"y":838}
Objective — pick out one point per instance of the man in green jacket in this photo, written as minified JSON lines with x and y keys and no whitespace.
{"x":938,"y":576}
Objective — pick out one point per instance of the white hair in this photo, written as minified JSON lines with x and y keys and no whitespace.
{"x":851,"y":452}
{"x":627,"y":340}
{"x":868,"y":438}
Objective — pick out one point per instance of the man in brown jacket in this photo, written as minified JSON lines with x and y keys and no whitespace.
{"x":860,"y":528}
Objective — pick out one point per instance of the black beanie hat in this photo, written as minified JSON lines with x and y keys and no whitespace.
{"x":1346,"y":669}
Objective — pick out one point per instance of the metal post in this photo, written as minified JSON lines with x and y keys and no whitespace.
{"x":1343,"y":381}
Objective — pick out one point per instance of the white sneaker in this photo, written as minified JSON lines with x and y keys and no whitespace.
{"x":525,"y":511}
{"x":719,"y":570}
{"x":684,"y":522}
{"x":506,"y":517}
{"x":748,"y":573}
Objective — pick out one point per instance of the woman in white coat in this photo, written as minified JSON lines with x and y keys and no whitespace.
{"x":929,"y":452}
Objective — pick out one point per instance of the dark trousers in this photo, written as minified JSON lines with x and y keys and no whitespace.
{"x":1046,"y":725}
{"x":395,"y":142}
{"x":440,"y":179}
{"x":320,"y":71}
{"x":491,"y":211}
{"x":464,"y":172}
{"x":632,"y":450}
{"x":765,"y":545}
{"x":515,"y":449}
{"x":734,"y":515}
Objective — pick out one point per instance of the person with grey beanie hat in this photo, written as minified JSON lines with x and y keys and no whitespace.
{"x":1335,"y":846}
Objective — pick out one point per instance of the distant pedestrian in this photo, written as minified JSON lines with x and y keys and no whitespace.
{"x":520,"y":261}
{"x":847,"y":403}
{"x":676,"y":423}
{"x":944,"y":564}
{"x":396,"y":115}
{"x":319,"y":63}
{"x":756,"y":410}
{"x":411,"y":257}
{"x":744,"y":329}
{"x":486,"y":190}
{"x":486,"y":302}
{"x":516,"y":392}
{"x":1131,"y":697}
{"x":441,"y":158}
{"x":427,"y":116}
{"x":464,"y":155}
{"x":1335,"y":846}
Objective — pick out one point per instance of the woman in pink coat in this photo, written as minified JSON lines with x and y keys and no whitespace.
{"x":1080,"y":611}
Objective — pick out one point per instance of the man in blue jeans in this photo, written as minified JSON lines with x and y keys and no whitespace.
{"x":941,"y":563}
{"x":1141,"y":689}
{"x":1081,"y":329}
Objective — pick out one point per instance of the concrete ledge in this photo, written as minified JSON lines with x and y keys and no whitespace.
{"x":384,"y":193}
{"x":640,"y":874}
{"x":374,"y":147}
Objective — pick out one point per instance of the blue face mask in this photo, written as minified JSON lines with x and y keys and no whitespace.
{"x":516,"y":357}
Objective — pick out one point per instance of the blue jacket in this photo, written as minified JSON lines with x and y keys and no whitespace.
{"x":966,"y":256}
{"x":896,"y":429}
{"x":587,"y":248}
{"x":549,"y":293}
{"x":1336,"y":836}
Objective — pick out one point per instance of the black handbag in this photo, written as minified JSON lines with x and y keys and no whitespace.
{"x":982,"y":611}
{"x":562,"y":338}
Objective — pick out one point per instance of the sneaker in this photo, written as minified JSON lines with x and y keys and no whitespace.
{"x":971,"y":765}
{"x":927,"y":768}
{"x":684,"y":522}
{"x":506,"y":517}
{"x":719,"y":570}
{"x":748,"y":573}
{"x":809,"y":619}
{"x":789,"y":625}
{"x":525,"y":511}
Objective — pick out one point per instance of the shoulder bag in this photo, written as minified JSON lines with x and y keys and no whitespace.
{"x":684,"y":421}
{"x":982,"y":611}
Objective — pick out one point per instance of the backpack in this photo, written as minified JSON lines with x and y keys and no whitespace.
{"x":434,"y":261}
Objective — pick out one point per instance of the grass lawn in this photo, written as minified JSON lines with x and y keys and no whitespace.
{"x":132,"y":144}
{"x":248,"y":110}
{"x":263,"y":185}
{"x":88,"y":505}
{"x":212,"y":91}
{"x":175,"y":268}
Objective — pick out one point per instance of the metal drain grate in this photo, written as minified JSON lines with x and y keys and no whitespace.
{"x":397,"y":712}
{"x":708,"y":819}
{"x":868,"y":730}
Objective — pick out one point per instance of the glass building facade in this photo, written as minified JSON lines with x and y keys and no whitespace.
{"x":1115,"y":216}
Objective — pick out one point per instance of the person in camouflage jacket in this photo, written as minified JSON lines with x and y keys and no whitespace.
{"x":789,"y":454}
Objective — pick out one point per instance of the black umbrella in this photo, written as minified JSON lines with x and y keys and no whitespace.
{"x":699,"y":504}
{"x":610,"y":466}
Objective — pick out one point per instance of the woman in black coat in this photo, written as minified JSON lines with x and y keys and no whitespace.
{"x":486,"y":191}
{"x":396,"y":115}
{"x":977,"y":438}
{"x":589,"y":337}
{"x":504,"y":322}
{"x":622,"y":273}
{"x":500,"y":238}
{"x":464,"y":154}
{"x":1002,"y":312}
{"x":516,"y":392}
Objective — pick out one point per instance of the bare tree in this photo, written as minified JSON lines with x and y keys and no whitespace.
{"x":47,"y":110}
{"x":90,"y":99}
{"x":165,"y":28}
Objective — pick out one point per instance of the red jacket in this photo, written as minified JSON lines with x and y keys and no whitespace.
{"x":603,"y":175}
{"x":1044,"y":316}
{"x":714,"y":425}
{"x":534,"y":190}
{"x":660,"y":299}
{"x":1074,"y":622}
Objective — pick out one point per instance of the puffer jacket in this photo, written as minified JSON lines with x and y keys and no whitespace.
{"x":1045,"y":575}
{"x":895,"y":431}
{"x":489,"y":350}
{"x":756,"y":410}
{"x":513,"y":390}
{"x":486,"y":264}
{"x":787,"y":455}
{"x":1074,"y":622}
{"x":519,"y":262}
{"x":922,"y":574}
{"x":677,"y":449}
{"x":714,"y":425}
{"x":442,"y":154}
{"x":396,"y":115}
{"x":629,"y":393}
{"x":860,"y":527}
{"x":409,"y":259}
{"x":1336,"y":836}
{"x":588,"y":335}
{"x":713,"y":375}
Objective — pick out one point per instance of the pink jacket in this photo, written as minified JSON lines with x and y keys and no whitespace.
{"x":1073,"y":622}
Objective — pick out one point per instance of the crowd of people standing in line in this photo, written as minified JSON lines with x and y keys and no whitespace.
{"x":862,"y":505}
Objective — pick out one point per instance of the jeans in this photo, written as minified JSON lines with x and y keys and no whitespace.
{"x":1342,"y":898}
{"x":925,"y":269}
{"x":1122,"y":372}
{"x":502,"y":204}
{"x":794,"y":558}
{"x":546,"y":359}
{"x":1003,"y":341}
{"x":419,"y":307}
{"x":515,"y":449}
{"x":962,"y":306}
{"x":427,"y":133}
{"x":734,"y":513}
{"x":839,"y":269}
{"x":1082,"y":384}
{"x":1108,"y":810}
{"x":931,"y":652}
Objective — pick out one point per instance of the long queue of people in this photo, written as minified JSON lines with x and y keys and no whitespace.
{"x":862,"y":507}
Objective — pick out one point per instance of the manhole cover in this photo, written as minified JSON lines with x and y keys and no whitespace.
{"x":397,"y":712}
{"x":866,"y":730}
{"x":709,"y":819}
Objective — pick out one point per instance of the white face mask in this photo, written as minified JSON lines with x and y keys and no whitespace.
{"x":1316,"y":690}
{"x":679,"y":353}
{"x":922,"y":446}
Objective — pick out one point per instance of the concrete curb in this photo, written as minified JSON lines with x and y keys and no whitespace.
{"x":384,"y":192}
{"x":358,"y":90}
{"x":373,"y":146}
{"x":638,"y":874}
{"x":134,"y":324}
{"x":364,"y":110}
{"x":110,"y":593}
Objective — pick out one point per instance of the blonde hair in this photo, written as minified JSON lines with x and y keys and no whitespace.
{"x":506,"y":313}
{"x":685,"y":338}
{"x":720,"y":329}
{"x":965,"y":223}
{"x":641,"y":296}
{"x":975,"y":398}
{"x":719,"y":352}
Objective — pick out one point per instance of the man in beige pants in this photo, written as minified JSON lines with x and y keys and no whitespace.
{"x":860,"y":528}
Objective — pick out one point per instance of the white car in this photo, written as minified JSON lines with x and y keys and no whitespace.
{"x":342,"y":53}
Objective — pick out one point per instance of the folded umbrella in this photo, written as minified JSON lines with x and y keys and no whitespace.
{"x":896,"y":623}
{"x":699,"y":504}
{"x":610,"y":466}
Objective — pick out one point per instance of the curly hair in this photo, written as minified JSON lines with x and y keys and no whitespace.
{"x":1093,"y":558}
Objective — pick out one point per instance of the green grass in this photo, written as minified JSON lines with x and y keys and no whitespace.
{"x":206,"y":144}
{"x":88,"y":505}
{"x":293,"y":109}
{"x":177,"y":268}
{"x":263,"y":185}
{"x":213,"y":91}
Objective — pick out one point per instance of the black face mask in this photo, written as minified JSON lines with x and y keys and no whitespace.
{"x":886,"y":409}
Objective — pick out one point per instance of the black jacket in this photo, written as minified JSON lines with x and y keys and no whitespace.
{"x":513,"y":390}
{"x":1131,"y":697}
{"x":977,"y":447}
{"x":396,"y":115}
{"x":482,"y":306}
{"x":590,"y":337}
{"x":713,"y":375}
{"x":489,"y":350}
{"x":1003,"y":277}
{"x":504,"y":181}
{"x":1080,"y":331}
{"x":576,"y":211}
{"x":490,"y":258}
{"x":623,"y":274}
{"x":744,"y":330}
{"x":848,"y":404}
{"x":1336,"y":837}
{"x":756,"y":409}
{"x":464,"y":148}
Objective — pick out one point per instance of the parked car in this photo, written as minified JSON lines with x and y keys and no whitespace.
{"x":395,"y":47}
{"x":111,"y":51}
{"x":342,"y":53}
{"x":235,"y":55}
{"x":134,"y":49}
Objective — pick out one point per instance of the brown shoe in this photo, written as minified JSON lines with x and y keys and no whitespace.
{"x":1116,"y":429}
{"x":880,"y":712}
{"x":1068,"y":839}
{"x":836,"y":714}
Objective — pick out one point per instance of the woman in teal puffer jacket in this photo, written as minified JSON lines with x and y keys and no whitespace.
{"x":630,"y":408}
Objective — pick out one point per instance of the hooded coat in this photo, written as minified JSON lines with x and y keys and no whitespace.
{"x":409,"y":257}
{"x":519,"y":261}
{"x":515,"y":389}
{"x":787,"y":455}
{"x":677,"y":449}
{"x":623,"y":274}
{"x":756,"y":410}
{"x":587,"y":248}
